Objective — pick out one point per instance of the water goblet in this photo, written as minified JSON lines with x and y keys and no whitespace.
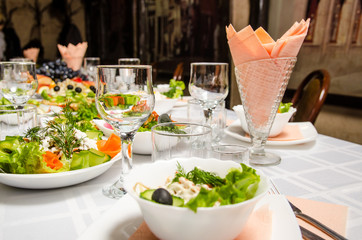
{"x":129,"y":61}
{"x":18,"y":81}
{"x":125,"y":108}
{"x":262,"y":84}
{"x":209,"y":84}
{"x":90,"y":64}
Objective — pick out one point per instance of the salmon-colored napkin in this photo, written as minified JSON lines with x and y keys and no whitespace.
{"x":289,"y":133}
{"x":249,"y":45}
{"x":259,"y":225}
{"x":73,"y":54}
{"x":262,"y":81}
{"x":331,"y":215}
{"x":31,"y":53}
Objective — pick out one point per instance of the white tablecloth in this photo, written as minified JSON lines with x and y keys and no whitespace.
{"x":328,"y":170}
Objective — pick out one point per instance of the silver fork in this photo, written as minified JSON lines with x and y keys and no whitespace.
{"x":299,"y":214}
{"x":306,"y":234}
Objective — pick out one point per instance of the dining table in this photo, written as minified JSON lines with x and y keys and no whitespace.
{"x":326,"y":169}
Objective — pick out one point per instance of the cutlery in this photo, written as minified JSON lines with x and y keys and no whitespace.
{"x":299,"y":214}
{"x":308,"y":235}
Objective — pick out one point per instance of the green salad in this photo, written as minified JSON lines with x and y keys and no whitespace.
{"x":210,"y":190}
{"x":176,"y":89}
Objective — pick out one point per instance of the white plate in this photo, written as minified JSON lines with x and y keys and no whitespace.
{"x":44,"y":109}
{"x":55,"y":180}
{"x":123,"y":219}
{"x":142,"y":143}
{"x":307,"y":129}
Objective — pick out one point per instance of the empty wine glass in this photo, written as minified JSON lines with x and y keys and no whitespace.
{"x":90,"y":67}
{"x":129,"y":61}
{"x":18,"y":81}
{"x":209,"y":84}
{"x":124,"y":99}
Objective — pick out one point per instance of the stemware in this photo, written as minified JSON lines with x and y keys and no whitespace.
{"x":124,"y":99}
{"x":209,"y":85}
{"x":262,"y":84}
{"x":129,"y":61}
{"x":18,"y":81}
{"x":90,"y":67}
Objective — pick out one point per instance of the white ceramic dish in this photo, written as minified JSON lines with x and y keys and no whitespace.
{"x":281,"y":119}
{"x":223,"y":222}
{"x":142,"y":143}
{"x":55,"y":180}
{"x":121,"y":226}
{"x":307,"y":129}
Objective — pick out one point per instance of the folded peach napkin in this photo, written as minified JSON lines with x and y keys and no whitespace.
{"x":249,"y":45}
{"x":263,"y":81}
{"x":289,"y":133}
{"x":31,"y":53}
{"x":73,"y":54}
{"x":331,"y":215}
{"x":259,"y":225}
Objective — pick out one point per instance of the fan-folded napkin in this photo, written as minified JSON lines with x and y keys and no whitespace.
{"x":31,"y":53}
{"x":73,"y":54}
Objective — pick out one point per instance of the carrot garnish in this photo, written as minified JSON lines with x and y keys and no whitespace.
{"x":52,"y":160}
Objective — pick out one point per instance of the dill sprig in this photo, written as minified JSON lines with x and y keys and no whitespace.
{"x":198,"y":176}
{"x":33,"y":134}
{"x":62,"y":131}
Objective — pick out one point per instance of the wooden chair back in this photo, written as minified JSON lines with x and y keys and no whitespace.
{"x":310,"y":96}
{"x":177,"y":75}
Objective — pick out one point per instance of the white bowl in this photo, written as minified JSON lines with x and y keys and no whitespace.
{"x":169,"y":222}
{"x":281,"y":119}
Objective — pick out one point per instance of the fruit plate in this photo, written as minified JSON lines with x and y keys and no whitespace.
{"x":55,"y":180}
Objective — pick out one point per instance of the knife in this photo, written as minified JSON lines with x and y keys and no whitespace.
{"x":298,"y":213}
{"x":308,"y":235}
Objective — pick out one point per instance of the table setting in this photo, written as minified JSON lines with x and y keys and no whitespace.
{"x":122,"y":158}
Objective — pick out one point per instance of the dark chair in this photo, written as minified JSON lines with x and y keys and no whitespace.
{"x":310,"y":96}
{"x":177,"y":74}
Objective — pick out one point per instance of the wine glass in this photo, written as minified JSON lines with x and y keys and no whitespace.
{"x":90,"y":64}
{"x":18,"y":81}
{"x":129,"y":61}
{"x":209,"y":84}
{"x":124,"y":99}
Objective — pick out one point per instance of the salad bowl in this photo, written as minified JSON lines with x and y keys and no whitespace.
{"x":171,"y":222}
{"x":280,"y":121}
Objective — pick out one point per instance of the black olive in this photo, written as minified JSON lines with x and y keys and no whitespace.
{"x":56,"y":88}
{"x":78,"y":89}
{"x":162,"y":196}
{"x":93,"y":88}
{"x":70,"y":87}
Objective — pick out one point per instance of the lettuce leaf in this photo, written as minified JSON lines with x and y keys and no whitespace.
{"x":240,"y":185}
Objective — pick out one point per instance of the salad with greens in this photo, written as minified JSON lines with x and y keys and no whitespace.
{"x":284,"y":107}
{"x":199,"y":188}
{"x":63,"y":144}
{"x":176,"y":89}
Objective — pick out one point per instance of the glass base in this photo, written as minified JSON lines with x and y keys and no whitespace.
{"x":114,"y":191}
{"x":264,"y":159}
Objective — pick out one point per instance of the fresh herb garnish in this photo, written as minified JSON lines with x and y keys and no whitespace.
{"x":199,"y":176}
{"x":176,"y":89}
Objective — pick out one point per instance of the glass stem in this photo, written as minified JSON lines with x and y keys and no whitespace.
{"x":208,"y":116}
{"x":127,"y":141}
